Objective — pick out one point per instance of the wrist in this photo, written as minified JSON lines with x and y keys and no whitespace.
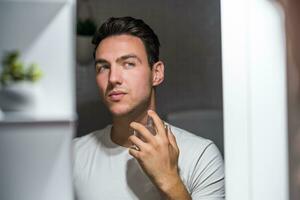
{"x":170,"y":184}
{"x":175,"y":190}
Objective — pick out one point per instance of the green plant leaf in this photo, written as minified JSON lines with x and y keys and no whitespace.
{"x":11,"y":57}
{"x":14,"y":70}
{"x":34,"y":73}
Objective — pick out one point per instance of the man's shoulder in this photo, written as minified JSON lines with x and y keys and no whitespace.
{"x":185,"y":137}
{"x":193,"y":147}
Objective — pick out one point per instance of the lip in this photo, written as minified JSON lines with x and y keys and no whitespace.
{"x":116,"y":95}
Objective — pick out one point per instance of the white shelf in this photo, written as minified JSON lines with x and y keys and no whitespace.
{"x":26,"y":117}
{"x":35,"y":1}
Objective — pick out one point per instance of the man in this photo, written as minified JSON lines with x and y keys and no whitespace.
{"x":126,"y":160}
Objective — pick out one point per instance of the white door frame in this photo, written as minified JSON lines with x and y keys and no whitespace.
{"x":254,"y":93}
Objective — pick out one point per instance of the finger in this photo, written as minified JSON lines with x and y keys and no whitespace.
{"x":172,"y":138}
{"x":158,"y":123}
{"x":142,"y":130}
{"x":137,"y":142}
{"x":134,"y":153}
{"x":135,"y":147}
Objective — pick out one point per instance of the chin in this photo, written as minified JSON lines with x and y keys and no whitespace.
{"x":127,"y":109}
{"x":120,"y":111}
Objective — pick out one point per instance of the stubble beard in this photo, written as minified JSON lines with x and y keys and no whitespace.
{"x":133,"y":111}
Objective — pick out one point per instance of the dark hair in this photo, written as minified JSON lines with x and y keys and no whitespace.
{"x":130,"y":26}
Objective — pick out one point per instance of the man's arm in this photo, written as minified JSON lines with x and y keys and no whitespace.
{"x":158,"y":156}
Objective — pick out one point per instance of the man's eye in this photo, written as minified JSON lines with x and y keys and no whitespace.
{"x":129,"y":64}
{"x":101,"y":68}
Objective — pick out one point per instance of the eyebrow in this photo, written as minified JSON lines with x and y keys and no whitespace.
{"x":122,"y":58}
{"x":125,"y":57}
{"x":101,"y":61}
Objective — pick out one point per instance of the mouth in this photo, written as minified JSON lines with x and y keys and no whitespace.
{"x":116,"y":95}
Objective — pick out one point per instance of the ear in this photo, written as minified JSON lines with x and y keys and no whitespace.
{"x":158,"y":73}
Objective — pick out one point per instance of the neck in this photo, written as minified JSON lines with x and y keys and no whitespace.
{"x":121,"y":129}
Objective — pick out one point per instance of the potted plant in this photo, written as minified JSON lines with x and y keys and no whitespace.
{"x":17,"y":88}
{"x":85,"y":31}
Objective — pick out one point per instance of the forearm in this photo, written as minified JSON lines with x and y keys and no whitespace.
{"x":175,"y":191}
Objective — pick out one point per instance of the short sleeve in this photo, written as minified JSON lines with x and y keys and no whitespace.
{"x":208,"y":175}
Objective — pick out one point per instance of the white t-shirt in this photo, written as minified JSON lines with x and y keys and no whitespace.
{"x":105,"y":170}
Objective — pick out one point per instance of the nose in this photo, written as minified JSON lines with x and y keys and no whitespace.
{"x":115,"y":75}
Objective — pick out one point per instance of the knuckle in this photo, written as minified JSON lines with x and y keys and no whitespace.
{"x":147,"y":149}
{"x":156,"y":145}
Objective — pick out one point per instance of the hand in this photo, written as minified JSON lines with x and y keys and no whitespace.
{"x":156,"y":154}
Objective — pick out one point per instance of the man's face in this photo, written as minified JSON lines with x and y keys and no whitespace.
{"x":123,"y":76}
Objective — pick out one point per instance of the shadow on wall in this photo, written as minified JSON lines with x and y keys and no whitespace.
{"x":18,"y":14}
{"x":92,"y":115}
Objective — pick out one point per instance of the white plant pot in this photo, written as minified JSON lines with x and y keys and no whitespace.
{"x":20,"y":96}
{"x":84,"y":49}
